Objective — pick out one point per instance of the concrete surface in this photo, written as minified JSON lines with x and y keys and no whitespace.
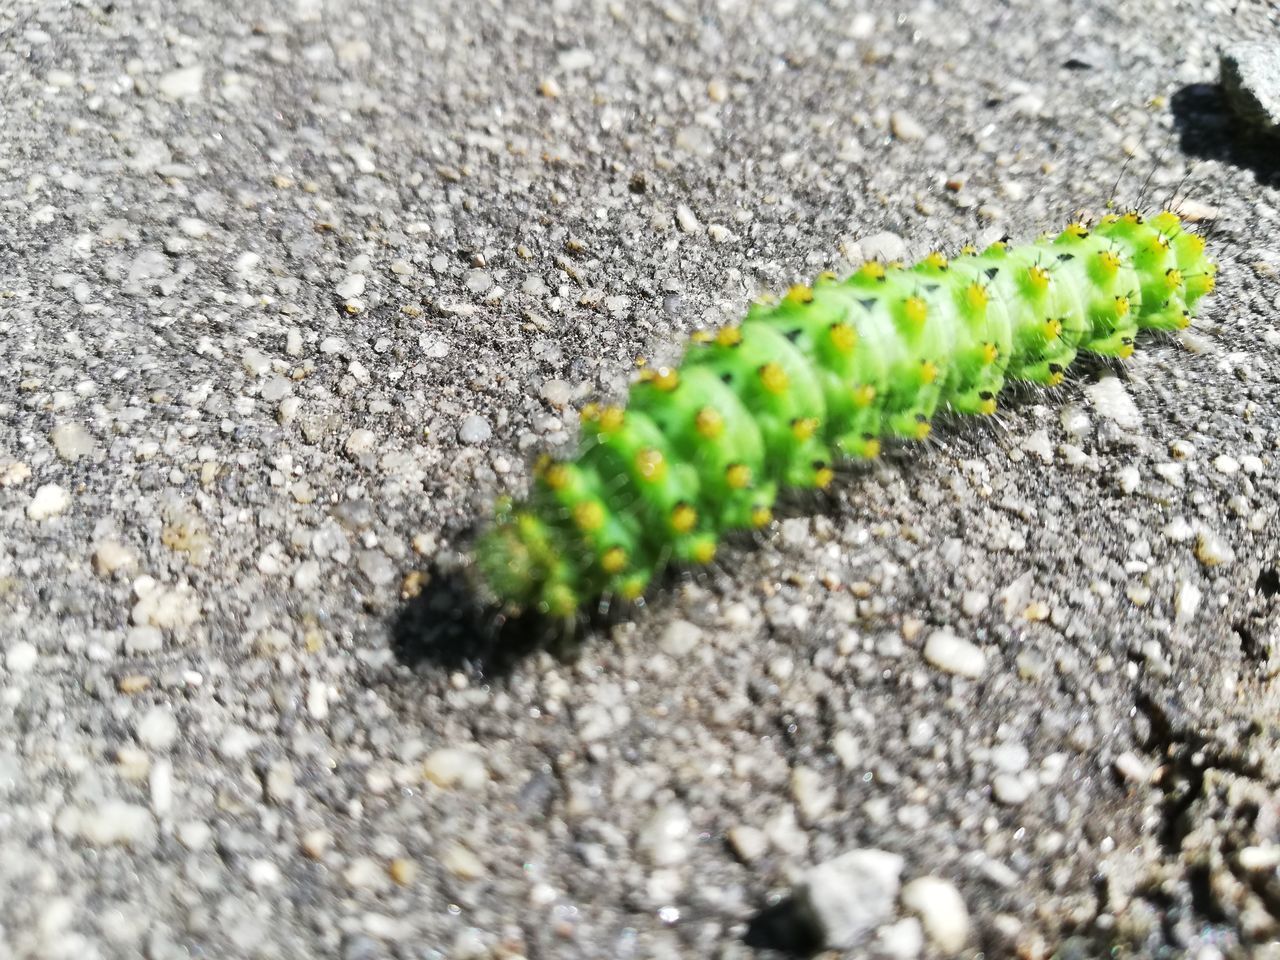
{"x":290,"y":292}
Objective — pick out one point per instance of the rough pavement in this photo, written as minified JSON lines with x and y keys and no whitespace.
{"x":290,"y":292}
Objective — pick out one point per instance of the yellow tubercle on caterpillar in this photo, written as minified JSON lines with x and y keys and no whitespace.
{"x":1200,"y":284}
{"x":1051,"y":329}
{"x":827,"y":276}
{"x":703,"y":552}
{"x":708,"y":423}
{"x":1108,"y":263}
{"x":843,"y":337}
{"x":642,"y":361}
{"x":737,"y":476}
{"x":802,"y":428}
{"x":871,"y":270}
{"x":632,"y":588}
{"x":729,"y":336}
{"x":683,"y":518}
{"x":761,"y":517}
{"x":1122,"y":306}
{"x":1108,"y":219}
{"x":1132,"y":217}
{"x":969,"y":250}
{"x":614,"y":560}
{"x":916,"y":311}
{"x":1038,"y":279}
{"x":773,"y":378}
{"x":990,"y":353}
{"x":976,"y":297}
{"x":935,"y":261}
{"x":928,"y":372}
{"x":822,"y":476}
{"x":1077,"y":231}
{"x":556,"y":477}
{"x":1056,"y":375}
{"x":988,"y":406}
{"x":1166,"y":221}
{"x":589,"y":413}
{"x":1172,"y":279}
{"x":863,"y":395}
{"x":588,"y":516}
{"x":871,"y":448}
{"x":799,"y":295}
{"x":701,"y":337}
{"x":611,"y":419}
{"x":666,"y":379}
{"x":651,"y":465}
{"x":922,"y":428}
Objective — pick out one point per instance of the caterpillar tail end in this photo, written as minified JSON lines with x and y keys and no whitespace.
{"x":517,"y":565}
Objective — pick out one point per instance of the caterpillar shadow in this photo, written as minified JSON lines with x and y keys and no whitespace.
{"x":1208,"y":129}
{"x":447,"y":627}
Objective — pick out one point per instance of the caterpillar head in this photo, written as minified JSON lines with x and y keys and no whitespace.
{"x":518,"y":563}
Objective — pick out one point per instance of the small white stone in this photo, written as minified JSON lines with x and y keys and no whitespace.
{"x":1112,"y":401}
{"x":1038,"y":445}
{"x":812,"y":797}
{"x":1131,"y":767}
{"x":117,"y":823}
{"x":264,"y":873}
{"x":49,"y":501}
{"x":360,"y":441}
{"x":1009,"y":790}
{"x":686,"y":219}
{"x":1259,"y":859}
{"x":847,"y":898}
{"x":680,"y":638}
{"x":451,"y":767}
{"x":1128,"y":478}
{"x":748,"y":843}
{"x":941,"y":910}
{"x":1252,"y":465}
{"x":71,"y":440}
{"x":951,"y":654}
{"x":462,"y":863}
{"x":182,"y":84}
{"x":906,"y":127}
{"x":160,"y":786}
{"x":662,"y":841}
{"x":1226,"y":464}
{"x":1212,"y":550}
{"x":110,"y":556}
{"x":558,"y":393}
{"x":21,"y":657}
{"x":883,"y":246}
{"x":1010,"y":757}
{"x":157,"y":729}
{"x":903,"y":940}
{"x":352,"y":286}
{"x":1186,"y":601}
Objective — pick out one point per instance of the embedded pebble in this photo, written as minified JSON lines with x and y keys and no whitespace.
{"x":21,"y":657}
{"x":883,"y":246}
{"x":847,"y":898}
{"x":663,"y":841}
{"x":157,"y":729}
{"x":1009,"y":790}
{"x":952,"y":654}
{"x":680,"y":638}
{"x":1212,"y":550}
{"x":1111,"y":400}
{"x":941,"y":910}
{"x":474,"y":430}
{"x":451,"y":767}
{"x":72,"y":441}
{"x":686,"y":219}
{"x":906,"y":127}
{"x":185,"y":83}
{"x":49,"y":501}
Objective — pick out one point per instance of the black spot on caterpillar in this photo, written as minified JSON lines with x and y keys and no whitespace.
{"x":819,"y":376}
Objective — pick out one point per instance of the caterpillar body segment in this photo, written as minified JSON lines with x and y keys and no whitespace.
{"x":821,"y":375}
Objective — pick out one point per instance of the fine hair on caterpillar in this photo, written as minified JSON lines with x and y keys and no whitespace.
{"x":824,"y":376}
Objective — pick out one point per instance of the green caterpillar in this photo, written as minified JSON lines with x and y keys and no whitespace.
{"x":823,"y":374}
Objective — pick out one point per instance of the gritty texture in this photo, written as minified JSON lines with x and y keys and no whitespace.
{"x":290,"y":293}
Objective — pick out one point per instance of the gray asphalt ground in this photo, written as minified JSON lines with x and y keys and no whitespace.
{"x":291,"y":292}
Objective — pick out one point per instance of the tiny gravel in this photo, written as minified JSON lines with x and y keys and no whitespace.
{"x":291,"y":293}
